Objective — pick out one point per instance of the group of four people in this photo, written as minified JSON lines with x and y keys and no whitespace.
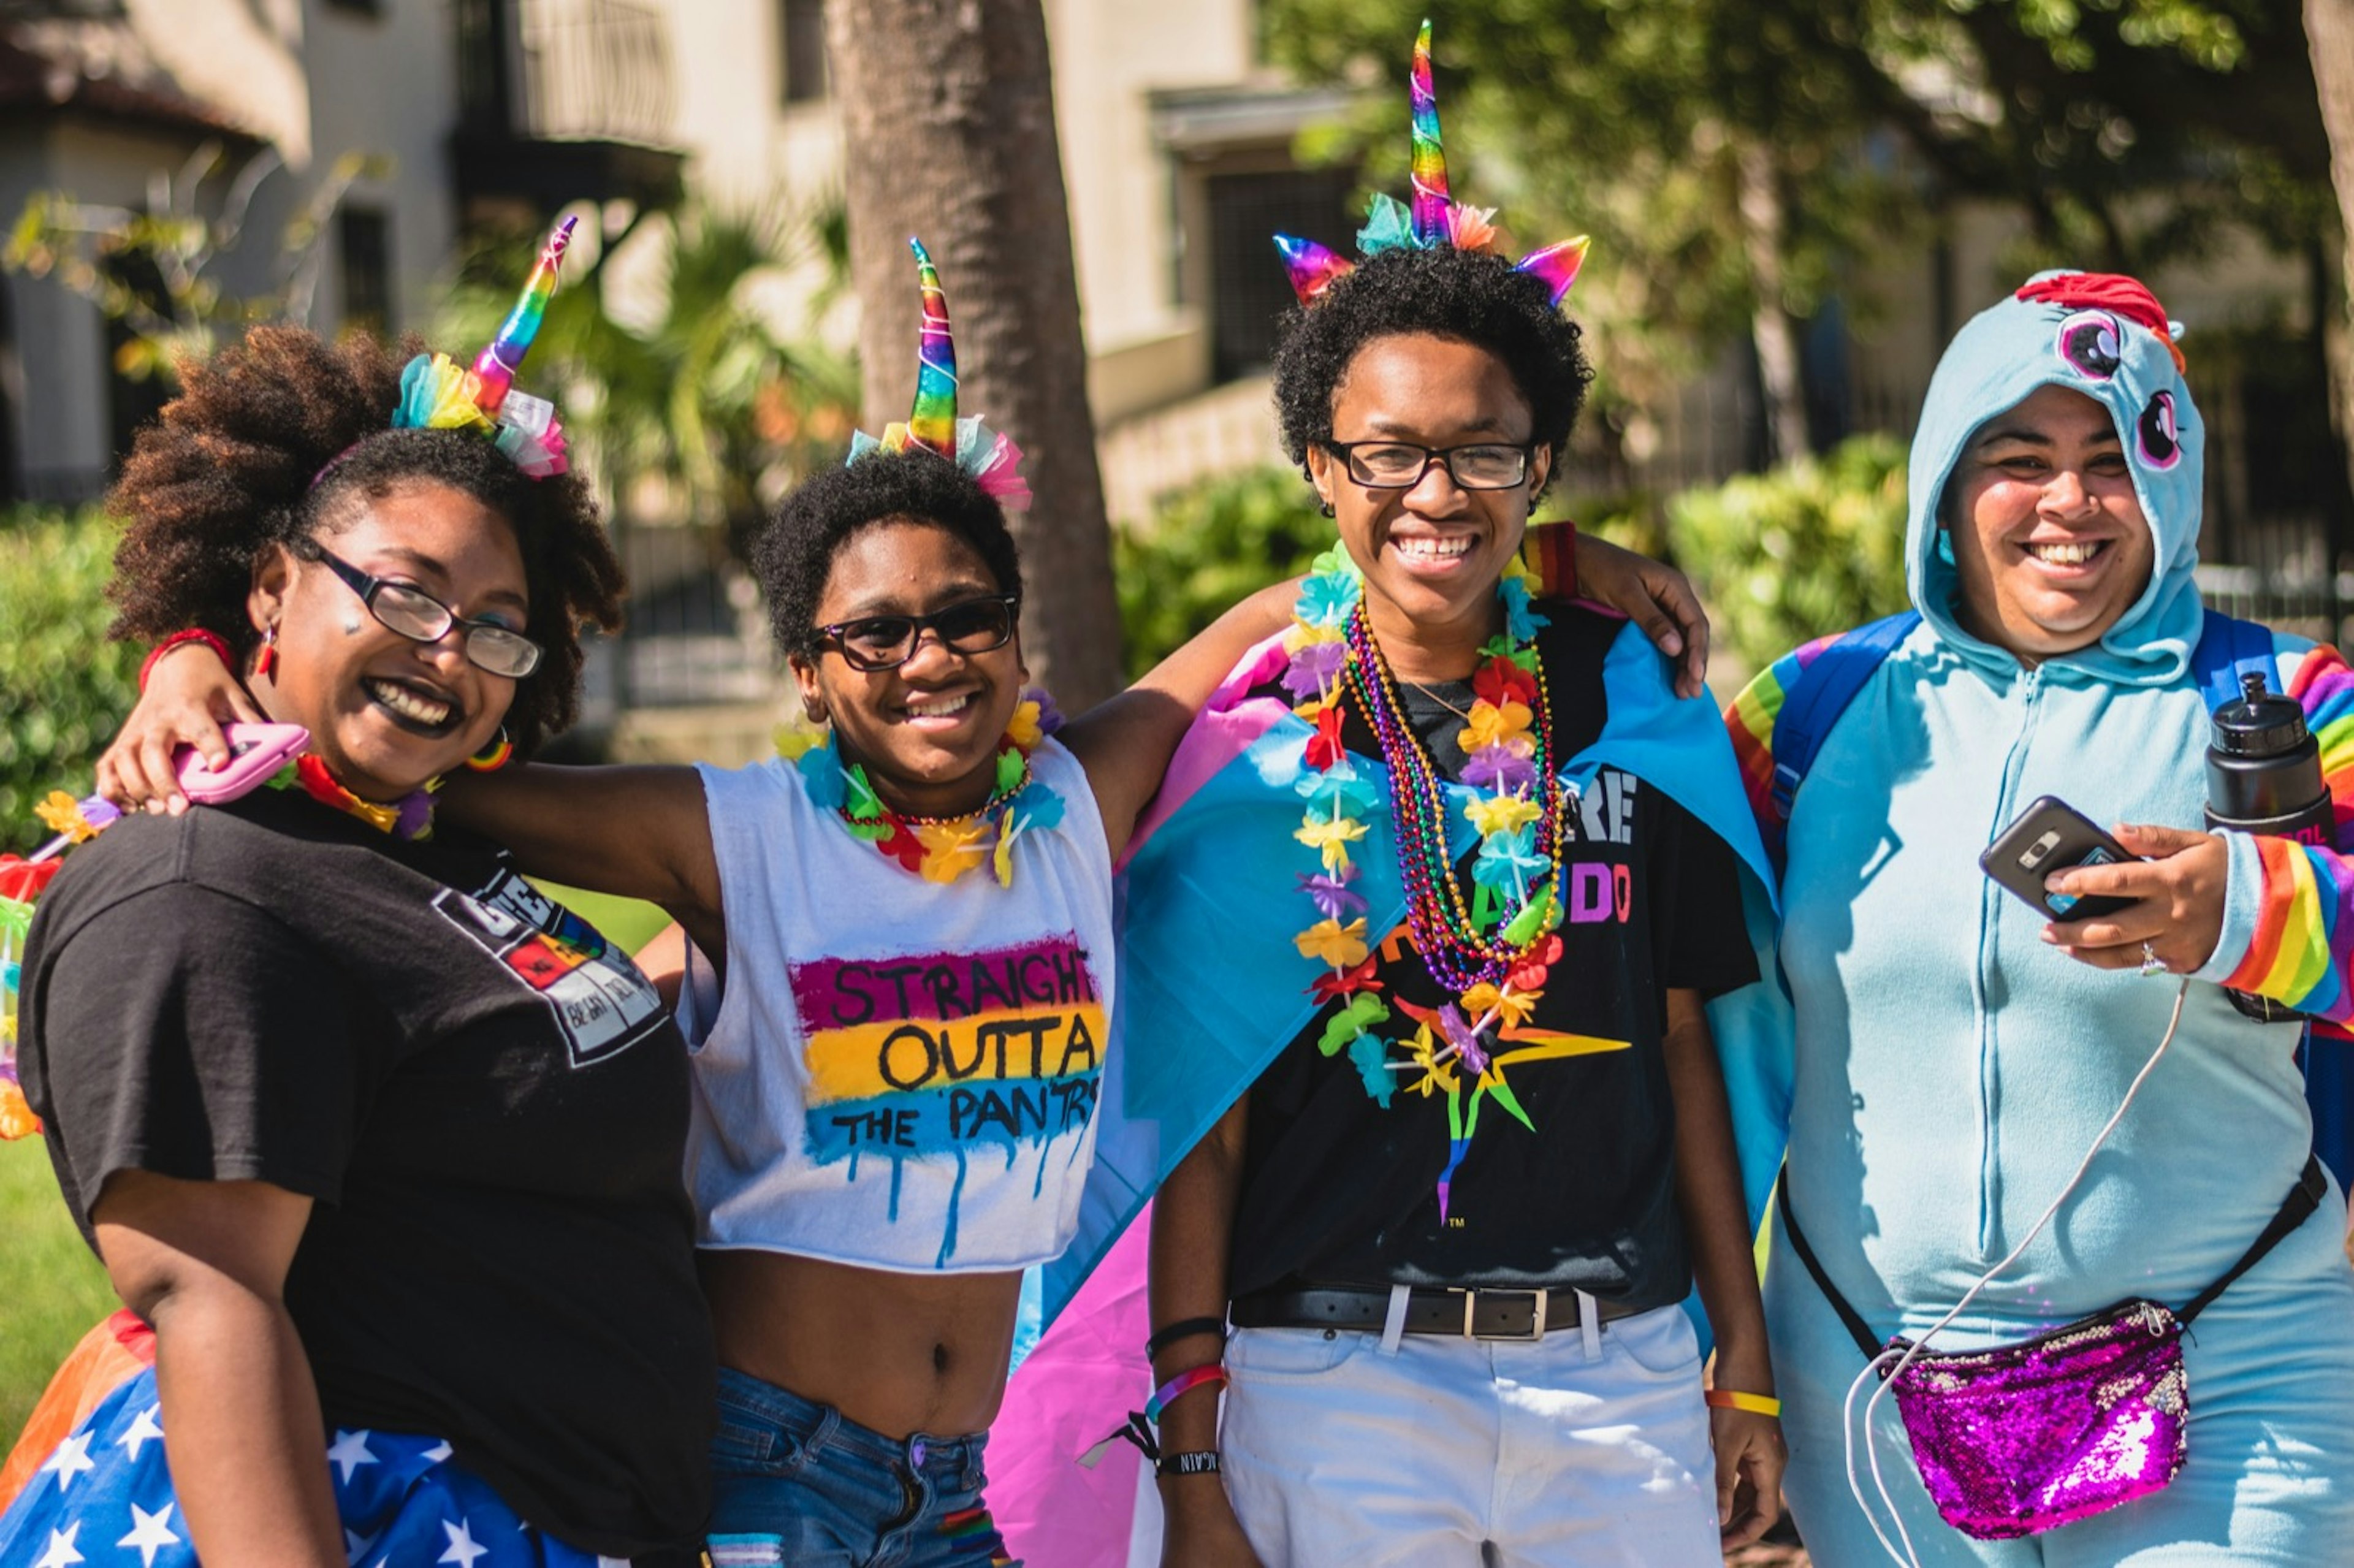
{"x":1434,"y":944}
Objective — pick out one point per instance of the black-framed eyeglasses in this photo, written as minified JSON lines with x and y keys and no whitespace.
{"x":420,"y":617}
{"x":873,"y":642}
{"x":1400,"y":465}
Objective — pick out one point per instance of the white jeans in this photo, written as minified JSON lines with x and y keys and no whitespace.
{"x":1457,"y":1453}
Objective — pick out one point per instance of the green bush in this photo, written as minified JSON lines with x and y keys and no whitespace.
{"x":1813,"y":546}
{"x":1209,"y":545}
{"x":64,"y":688}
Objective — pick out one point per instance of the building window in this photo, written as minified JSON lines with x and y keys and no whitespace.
{"x":1248,"y":289}
{"x":364,"y":240}
{"x":801,"y":30}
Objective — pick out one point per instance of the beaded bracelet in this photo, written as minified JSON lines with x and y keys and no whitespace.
{"x":193,"y":634}
{"x":1756,"y":1404}
{"x":1178,"y":1387}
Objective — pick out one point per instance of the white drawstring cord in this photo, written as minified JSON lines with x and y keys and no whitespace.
{"x":1910,"y":1558}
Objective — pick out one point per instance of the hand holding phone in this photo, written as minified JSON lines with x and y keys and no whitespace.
{"x":2048,"y":837}
{"x":256,"y":751}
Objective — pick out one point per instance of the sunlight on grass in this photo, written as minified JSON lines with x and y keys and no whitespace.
{"x":51,"y":1287}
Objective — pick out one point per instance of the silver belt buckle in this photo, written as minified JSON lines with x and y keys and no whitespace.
{"x":1537,"y":1302}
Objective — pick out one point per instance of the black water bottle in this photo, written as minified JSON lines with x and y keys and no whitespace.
{"x":2264,"y":775}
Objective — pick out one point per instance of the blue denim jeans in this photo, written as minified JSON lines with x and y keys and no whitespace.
{"x":796,"y":1483}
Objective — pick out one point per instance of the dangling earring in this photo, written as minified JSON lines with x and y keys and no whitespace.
{"x":497,"y":754}
{"x":267,"y":665}
{"x":1326,"y":509}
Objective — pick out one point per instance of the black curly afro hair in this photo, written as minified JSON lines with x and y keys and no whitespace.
{"x":229,"y":470}
{"x":794,"y":555}
{"x":1469,"y":296}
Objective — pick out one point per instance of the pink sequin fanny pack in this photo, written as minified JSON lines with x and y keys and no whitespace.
{"x":2019,"y":1440}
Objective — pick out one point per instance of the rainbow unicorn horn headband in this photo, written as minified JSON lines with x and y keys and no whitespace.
{"x":437,"y":392}
{"x":992,"y":460}
{"x":1434,"y":221}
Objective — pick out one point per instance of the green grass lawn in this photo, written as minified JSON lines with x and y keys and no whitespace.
{"x":51,"y":1288}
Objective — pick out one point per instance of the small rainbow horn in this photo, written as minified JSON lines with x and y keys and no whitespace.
{"x":1312,"y":268}
{"x":932,"y":421}
{"x":1556,"y":264}
{"x":494,"y":370}
{"x":1431,"y":227}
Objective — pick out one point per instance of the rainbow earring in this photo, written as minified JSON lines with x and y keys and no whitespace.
{"x":497,"y":754}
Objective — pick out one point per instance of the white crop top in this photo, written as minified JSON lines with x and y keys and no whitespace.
{"x":900,"y":1074}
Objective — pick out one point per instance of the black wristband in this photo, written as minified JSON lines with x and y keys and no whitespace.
{"x":1196,"y":1462}
{"x":1183,"y":1327}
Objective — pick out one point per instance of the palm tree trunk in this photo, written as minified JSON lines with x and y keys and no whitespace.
{"x":2329,"y":34}
{"x":1764,"y":223}
{"x":949,"y":135}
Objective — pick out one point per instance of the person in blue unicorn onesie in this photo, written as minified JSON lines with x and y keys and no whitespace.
{"x":2024,"y":1150}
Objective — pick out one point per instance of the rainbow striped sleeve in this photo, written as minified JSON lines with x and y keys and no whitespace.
{"x":2303,"y":950}
{"x":1750,"y":721}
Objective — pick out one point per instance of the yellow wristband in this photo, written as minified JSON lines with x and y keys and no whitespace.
{"x":1756,"y":1404}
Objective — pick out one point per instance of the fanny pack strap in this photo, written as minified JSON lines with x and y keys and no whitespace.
{"x":1857,"y":1328}
{"x":2294,"y":1210}
{"x":2302,"y":1199}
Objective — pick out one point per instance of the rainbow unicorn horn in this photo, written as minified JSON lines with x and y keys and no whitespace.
{"x":495,"y":369}
{"x":1431,"y":224}
{"x":932,"y":421}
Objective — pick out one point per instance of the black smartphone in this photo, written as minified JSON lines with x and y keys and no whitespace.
{"x":2052,"y":836}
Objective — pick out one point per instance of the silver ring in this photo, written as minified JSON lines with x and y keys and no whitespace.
{"x":2151,"y":964}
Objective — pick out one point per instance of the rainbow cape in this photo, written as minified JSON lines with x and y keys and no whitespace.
{"x":1211,"y":991}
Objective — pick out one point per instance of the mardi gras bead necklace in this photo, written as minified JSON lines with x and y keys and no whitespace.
{"x":1494,"y":948}
{"x":940,"y":849}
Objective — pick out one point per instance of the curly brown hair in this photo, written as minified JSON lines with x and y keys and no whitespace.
{"x":229,"y":471}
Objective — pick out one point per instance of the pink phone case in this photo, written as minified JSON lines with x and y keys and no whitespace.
{"x":256,"y":752}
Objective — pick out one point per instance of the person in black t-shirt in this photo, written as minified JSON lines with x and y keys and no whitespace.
{"x":1452,"y":1221}
{"x":383,"y":1145}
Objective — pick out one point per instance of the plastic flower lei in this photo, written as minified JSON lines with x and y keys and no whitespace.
{"x":940,"y":849}
{"x":1492,"y":947}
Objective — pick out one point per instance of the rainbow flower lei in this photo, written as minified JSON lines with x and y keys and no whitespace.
{"x":1492,"y":949}
{"x":940,"y":849}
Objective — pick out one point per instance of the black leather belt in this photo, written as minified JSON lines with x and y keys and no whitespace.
{"x":1467,"y":1314}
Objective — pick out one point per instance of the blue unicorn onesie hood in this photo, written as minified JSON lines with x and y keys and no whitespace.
{"x":2107,"y":339}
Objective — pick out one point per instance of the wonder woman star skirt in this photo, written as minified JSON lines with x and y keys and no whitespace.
{"x":89,"y":1482}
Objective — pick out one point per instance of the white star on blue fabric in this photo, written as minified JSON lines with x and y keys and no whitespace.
{"x":142,"y":1427}
{"x":71,"y":1459}
{"x":61,"y":1552}
{"x":462,"y":1549}
{"x":356,"y":1546}
{"x":150,"y":1533}
{"x":436,"y":1454}
{"x":349,"y":1452}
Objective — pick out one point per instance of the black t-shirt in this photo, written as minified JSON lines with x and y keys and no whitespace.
{"x":488,"y":1105}
{"x":1338,"y":1189}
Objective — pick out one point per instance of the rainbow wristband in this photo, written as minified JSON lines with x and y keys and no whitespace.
{"x":1756,"y":1404}
{"x":1178,"y":1387}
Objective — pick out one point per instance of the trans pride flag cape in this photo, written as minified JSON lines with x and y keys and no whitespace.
{"x":1211,"y":991}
